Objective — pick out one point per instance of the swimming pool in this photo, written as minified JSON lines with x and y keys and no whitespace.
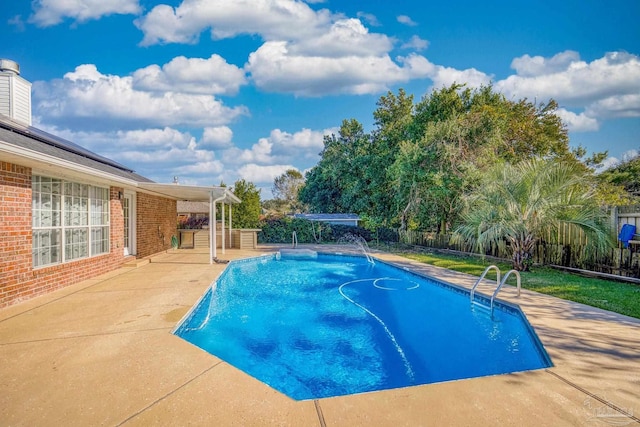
{"x":331,"y":325}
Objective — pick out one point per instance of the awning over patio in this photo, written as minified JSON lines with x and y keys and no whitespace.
{"x":213,"y":195}
{"x":190,"y":192}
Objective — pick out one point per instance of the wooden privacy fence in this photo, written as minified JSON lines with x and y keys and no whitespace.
{"x":566,"y":249}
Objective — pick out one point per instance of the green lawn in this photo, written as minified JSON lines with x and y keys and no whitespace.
{"x":620,"y":297}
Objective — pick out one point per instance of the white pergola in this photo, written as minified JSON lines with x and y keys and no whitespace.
{"x":191,"y":193}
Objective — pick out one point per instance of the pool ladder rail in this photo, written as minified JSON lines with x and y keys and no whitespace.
{"x":499,"y":283}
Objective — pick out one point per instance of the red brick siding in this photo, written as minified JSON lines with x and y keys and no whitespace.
{"x":156,"y":224}
{"x":15,"y":231}
{"x":116,"y":235}
{"x":18,"y":280}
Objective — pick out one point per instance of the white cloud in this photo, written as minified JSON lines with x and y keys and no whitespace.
{"x":86,"y":94}
{"x":304,"y":144}
{"x":406,"y":20}
{"x":630,"y":155}
{"x":528,"y":66}
{"x":444,"y":76}
{"x":616,"y":106}
{"x":275,"y":69}
{"x":305,"y":52}
{"x":154,"y":138}
{"x":346,"y":37}
{"x":191,"y":75}
{"x":271,"y":19}
{"x":279,"y":148}
{"x":578,"y":122}
{"x":416,"y":43}
{"x":608,"y":163}
{"x":114,"y":143}
{"x":605,"y":87}
{"x":51,"y":12}
{"x":217,"y":137}
{"x":369,"y":18}
{"x":207,"y":168}
{"x":260,"y":152}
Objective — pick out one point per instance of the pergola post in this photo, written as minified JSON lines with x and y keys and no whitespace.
{"x":213,"y":226}
{"x":222,"y":229}
{"x":212,"y":231}
{"x":230,"y":229}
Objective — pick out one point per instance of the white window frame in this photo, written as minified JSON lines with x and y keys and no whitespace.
{"x":70,"y":222}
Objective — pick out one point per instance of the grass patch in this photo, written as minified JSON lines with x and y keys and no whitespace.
{"x":619,"y":297}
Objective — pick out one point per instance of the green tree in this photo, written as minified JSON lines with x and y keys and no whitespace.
{"x":321,"y":191}
{"x":393,"y":119}
{"x":626,"y":175}
{"x":337,"y":184}
{"x":274,"y":208}
{"x":414,"y":167}
{"x":286,"y":188}
{"x":456,"y":135}
{"x":516,"y":205}
{"x":247,"y":213}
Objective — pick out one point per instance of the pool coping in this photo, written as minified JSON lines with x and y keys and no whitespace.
{"x":102,"y":352}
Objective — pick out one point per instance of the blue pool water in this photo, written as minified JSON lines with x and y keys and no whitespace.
{"x":337,"y":325}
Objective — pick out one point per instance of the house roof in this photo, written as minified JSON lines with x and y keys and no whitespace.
{"x":329,"y":217}
{"x":46,"y":153}
{"x":40,"y":149}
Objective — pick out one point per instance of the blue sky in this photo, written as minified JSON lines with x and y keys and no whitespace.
{"x":213,"y":91}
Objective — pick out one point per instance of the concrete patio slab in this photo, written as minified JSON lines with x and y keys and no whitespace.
{"x":101,"y":353}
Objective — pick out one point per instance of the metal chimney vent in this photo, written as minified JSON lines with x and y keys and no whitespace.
{"x":15,"y":92}
{"x":9,"y":65}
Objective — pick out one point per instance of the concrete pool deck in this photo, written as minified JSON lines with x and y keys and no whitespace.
{"x":101,"y":352}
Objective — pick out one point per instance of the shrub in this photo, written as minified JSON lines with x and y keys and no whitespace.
{"x":280,"y":230}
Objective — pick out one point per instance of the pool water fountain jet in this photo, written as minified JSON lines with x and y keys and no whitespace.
{"x":359,"y":242}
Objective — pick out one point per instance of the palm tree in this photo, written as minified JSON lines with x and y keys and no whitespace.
{"x":518,"y":204}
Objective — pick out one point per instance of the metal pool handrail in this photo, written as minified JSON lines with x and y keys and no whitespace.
{"x":504,"y":279}
{"x":486,"y":270}
{"x":499,"y":282}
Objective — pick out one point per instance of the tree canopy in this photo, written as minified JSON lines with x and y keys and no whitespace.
{"x":286,"y":188}
{"x":247,"y":213}
{"x":626,"y":175}
{"x":421,"y":158}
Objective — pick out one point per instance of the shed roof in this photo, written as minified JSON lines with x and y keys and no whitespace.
{"x":329,"y":217}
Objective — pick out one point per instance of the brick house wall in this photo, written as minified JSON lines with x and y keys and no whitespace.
{"x":16,"y":276}
{"x":18,"y":280}
{"x":156,"y":224}
{"x":116,"y":224}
